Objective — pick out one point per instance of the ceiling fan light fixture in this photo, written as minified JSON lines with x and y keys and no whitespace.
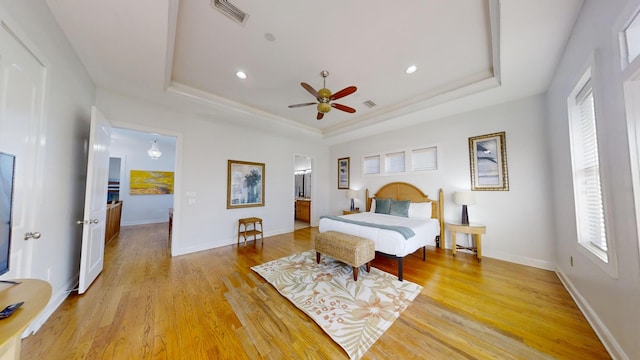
{"x":325,"y":98}
{"x":324,"y":107}
{"x":324,"y":93}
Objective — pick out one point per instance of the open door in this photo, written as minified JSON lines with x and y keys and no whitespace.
{"x":95,"y":203}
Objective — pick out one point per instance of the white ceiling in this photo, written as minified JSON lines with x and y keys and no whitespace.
{"x":469,"y":53}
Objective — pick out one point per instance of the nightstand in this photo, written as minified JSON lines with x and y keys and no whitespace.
{"x":476,"y":231}
{"x":250,"y":231}
{"x":349,"y":212}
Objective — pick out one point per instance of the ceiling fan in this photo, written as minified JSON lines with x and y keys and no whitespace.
{"x":325,"y":97}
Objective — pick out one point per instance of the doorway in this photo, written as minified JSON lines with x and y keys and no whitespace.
{"x":130,"y":152}
{"x":303,"y":190}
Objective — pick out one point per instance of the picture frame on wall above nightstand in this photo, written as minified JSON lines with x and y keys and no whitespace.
{"x":343,"y":173}
{"x":488,"y":162}
{"x":245,"y":184}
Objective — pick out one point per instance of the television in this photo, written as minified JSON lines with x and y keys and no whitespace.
{"x":7,"y":168}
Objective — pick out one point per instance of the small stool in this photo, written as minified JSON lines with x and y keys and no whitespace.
{"x":349,"y":249}
{"x":253,"y":231}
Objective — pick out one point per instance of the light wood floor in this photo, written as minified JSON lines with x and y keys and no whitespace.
{"x":147,"y":305}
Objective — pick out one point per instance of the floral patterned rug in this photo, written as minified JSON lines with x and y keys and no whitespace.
{"x":353,"y":313}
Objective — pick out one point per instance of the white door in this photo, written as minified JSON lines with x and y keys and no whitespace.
{"x":22,"y":84}
{"x":95,"y":203}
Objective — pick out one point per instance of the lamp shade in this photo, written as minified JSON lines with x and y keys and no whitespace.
{"x":464,"y":198}
{"x":351,"y":194}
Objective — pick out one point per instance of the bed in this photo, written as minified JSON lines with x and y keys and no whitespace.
{"x":426,"y":222}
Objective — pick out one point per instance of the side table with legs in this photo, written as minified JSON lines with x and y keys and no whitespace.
{"x":250,"y":229}
{"x":476,"y":231}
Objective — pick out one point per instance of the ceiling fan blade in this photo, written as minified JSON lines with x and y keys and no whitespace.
{"x":320,"y":115}
{"x":300,"y":105}
{"x":343,"y":108}
{"x":344,"y":92}
{"x":311,"y":90}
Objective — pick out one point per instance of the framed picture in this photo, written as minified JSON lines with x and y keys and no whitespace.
{"x":488,"y":158}
{"x":143,"y":182}
{"x":245,"y":184}
{"x":343,"y":173}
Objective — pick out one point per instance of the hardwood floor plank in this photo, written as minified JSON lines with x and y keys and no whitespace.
{"x":211,"y":305}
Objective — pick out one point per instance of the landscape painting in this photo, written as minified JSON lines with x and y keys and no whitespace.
{"x":144,"y":182}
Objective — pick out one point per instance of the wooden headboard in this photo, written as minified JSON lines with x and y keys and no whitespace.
{"x":403,"y":191}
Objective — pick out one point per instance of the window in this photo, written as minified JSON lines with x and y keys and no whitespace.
{"x":586,"y":169}
{"x":394,"y":162}
{"x":371,"y":165}
{"x":631,"y":39}
{"x":424,"y":159}
{"x":405,"y":161}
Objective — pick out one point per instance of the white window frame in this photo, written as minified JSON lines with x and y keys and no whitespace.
{"x":409,"y":168}
{"x":414,"y":153}
{"x":366,"y":159}
{"x":606,"y":260}
{"x":629,"y":30}
{"x":631,"y":87}
{"x":395,"y":162}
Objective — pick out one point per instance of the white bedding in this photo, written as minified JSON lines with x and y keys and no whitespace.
{"x":387,"y":241}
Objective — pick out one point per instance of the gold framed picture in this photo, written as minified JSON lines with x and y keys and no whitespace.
{"x":245,"y":184}
{"x":488,"y":159}
{"x":343,"y":173}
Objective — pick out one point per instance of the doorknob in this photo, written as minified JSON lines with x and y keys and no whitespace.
{"x":88,"y":222}
{"x":33,"y":235}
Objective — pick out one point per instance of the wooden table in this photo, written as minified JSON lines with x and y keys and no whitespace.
{"x":349,"y":212}
{"x":476,"y":231}
{"x":250,"y":231}
{"x":35,"y":294}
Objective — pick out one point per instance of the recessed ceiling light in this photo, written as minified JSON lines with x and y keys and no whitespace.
{"x":411,"y":69}
{"x":241,"y":75}
{"x":269,"y":37}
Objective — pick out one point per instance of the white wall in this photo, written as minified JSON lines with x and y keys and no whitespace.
{"x":610,"y":303}
{"x":68,"y":99}
{"x":131,"y":147}
{"x":519,"y":223}
{"x":203,"y":148}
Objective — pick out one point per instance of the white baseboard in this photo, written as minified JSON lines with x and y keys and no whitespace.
{"x":601,"y":330}
{"x":522,"y":260}
{"x":223,"y":242}
{"x":144,"y":222}
{"x":55,"y":301}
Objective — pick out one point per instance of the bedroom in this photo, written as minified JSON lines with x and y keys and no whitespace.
{"x":536,"y":146}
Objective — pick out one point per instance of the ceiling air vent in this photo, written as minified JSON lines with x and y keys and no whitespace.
{"x":369,"y":104}
{"x":230,"y":11}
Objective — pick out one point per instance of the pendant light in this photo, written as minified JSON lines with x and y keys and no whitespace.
{"x":154,"y":152}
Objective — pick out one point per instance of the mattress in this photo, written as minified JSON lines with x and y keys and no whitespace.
{"x":387,"y":241}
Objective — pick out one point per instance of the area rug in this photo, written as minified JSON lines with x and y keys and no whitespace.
{"x":353,"y":313}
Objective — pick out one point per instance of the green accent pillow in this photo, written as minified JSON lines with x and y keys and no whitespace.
{"x":382,"y":206}
{"x":399,"y":208}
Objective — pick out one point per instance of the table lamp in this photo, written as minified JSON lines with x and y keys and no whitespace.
{"x":464,"y":198}
{"x":352,"y":194}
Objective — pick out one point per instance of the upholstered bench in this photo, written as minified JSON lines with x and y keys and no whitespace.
{"x":350,"y":249}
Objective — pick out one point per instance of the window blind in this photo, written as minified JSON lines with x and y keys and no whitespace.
{"x":394,"y":162}
{"x":587,"y":171}
{"x":372,"y":165}
{"x":425,"y":159}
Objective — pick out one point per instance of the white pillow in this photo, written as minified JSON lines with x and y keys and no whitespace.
{"x":420,"y":210}
{"x":373,"y":205}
